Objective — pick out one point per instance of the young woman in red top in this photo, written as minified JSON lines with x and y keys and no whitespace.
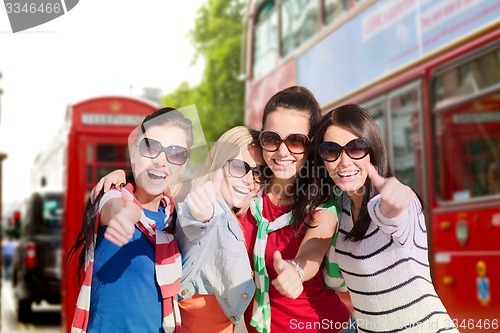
{"x":297,"y":298}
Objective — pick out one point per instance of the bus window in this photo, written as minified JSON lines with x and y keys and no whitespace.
{"x":266,"y":40}
{"x":376,"y":108}
{"x":493,"y":177}
{"x":335,"y":9}
{"x":470,"y":78}
{"x":481,"y":160}
{"x":467,"y":141}
{"x":299,"y":22}
{"x":404,"y":106}
{"x":467,"y":132}
{"x":404,"y":147}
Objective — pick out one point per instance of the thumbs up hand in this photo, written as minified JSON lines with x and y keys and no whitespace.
{"x":122,"y":225}
{"x":288,"y":282}
{"x":395,"y":196}
{"x":201,"y":198}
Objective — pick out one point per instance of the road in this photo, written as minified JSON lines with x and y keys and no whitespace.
{"x":46,"y":318}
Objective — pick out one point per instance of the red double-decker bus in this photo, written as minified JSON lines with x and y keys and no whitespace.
{"x":429,"y":73}
{"x":98,"y":130}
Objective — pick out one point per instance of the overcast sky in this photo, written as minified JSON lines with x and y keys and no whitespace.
{"x":100,"y":47}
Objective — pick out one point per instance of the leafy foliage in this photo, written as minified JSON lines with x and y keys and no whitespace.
{"x":220,"y":96}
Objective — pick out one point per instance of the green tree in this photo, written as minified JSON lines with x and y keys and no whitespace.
{"x":220,"y":96}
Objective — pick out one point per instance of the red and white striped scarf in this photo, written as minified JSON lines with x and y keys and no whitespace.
{"x":168,"y":267}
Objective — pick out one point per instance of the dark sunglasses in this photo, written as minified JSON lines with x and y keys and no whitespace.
{"x":239,"y":168}
{"x":296,"y":143}
{"x":152,"y":149}
{"x":355,"y":149}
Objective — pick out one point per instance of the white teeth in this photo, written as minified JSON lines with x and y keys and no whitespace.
{"x":283,"y":163}
{"x":157,"y":173}
{"x":347,"y":173}
{"x":241,"y":190}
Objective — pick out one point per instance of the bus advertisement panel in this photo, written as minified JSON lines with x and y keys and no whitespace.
{"x":387,"y":36}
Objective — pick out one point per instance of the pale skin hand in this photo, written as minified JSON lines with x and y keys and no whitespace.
{"x":395,"y":196}
{"x":120,"y":215}
{"x":111,"y":179}
{"x":288,"y":281}
{"x":311,"y":252}
{"x":201,"y":198}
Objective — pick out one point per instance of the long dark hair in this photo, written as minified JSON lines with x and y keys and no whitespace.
{"x":300,"y":99}
{"x":357,"y":120}
{"x":85,"y":237}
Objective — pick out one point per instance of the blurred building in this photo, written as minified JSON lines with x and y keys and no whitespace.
{"x":48,"y":168}
{"x":152,"y":94}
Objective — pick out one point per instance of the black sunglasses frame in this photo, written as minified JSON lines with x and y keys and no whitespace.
{"x":346,"y":148}
{"x":256,"y":171}
{"x":281,"y":140}
{"x":167,"y":150}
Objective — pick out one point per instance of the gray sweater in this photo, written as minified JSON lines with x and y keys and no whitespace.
{"x":387,"y":272}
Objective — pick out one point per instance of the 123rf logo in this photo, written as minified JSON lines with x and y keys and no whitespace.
{"x":26,"y":14}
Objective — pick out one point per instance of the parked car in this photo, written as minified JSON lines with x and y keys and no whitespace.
{"x":37,"y":260}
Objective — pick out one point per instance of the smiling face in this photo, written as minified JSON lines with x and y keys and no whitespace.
{"x":284,"y":164}
{"x":238,"y":192}
{"x":153,"y":176}
{"x":348,"y":174}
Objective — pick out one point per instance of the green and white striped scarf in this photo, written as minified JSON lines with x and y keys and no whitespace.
{"x":331,"y":271}
{"x":261,"y":316}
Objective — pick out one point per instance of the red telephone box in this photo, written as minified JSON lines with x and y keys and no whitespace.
{"x":97,"y":144}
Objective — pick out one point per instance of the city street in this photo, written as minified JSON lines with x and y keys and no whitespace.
{"x":46,"y":318}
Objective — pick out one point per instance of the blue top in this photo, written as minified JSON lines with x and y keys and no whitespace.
{"x":8,"y":248}
{"x":125,"y":296}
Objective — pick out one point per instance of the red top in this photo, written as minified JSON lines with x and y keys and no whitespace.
{"x":317,"y":309}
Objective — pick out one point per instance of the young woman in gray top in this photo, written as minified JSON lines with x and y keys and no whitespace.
{"x":217,"y":283}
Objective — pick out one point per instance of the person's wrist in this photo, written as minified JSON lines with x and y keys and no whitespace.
{"x":299,"y":269}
